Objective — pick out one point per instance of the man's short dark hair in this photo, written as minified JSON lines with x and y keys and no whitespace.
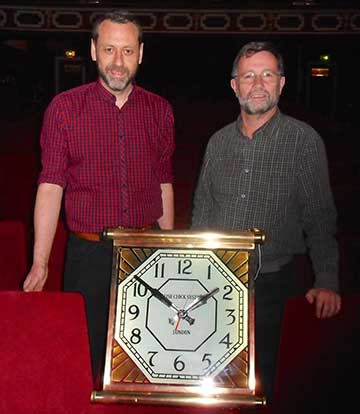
{"x":116,"y":16}
{"x":254,"y":47}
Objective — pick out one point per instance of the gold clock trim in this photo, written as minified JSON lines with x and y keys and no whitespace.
{"x":123,"y":381}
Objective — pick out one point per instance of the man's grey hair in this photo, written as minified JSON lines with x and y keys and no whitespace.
{"x":254,"y":47}
{"x":116,"y":16}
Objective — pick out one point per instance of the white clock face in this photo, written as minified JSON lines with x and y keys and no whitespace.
{"x":182,"y":316}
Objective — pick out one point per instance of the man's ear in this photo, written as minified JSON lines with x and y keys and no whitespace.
{"x":93,"y":50}
{"x":282,"y":83}
{"x":141,"y":53}
{"x":234,"y":86}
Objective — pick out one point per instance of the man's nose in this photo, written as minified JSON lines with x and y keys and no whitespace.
{"x":118,"y":58}
{"x":258,"y":79}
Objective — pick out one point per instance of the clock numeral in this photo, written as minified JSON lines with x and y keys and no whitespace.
{"x":135,"y":336}
{"x":230,"y":314}
{"x":207,"y":360}
{"x":152,"y":354}
{"x":226,"y":341}
{"x":140,"y":290}
{"x":184,"y":267}
{"x":209,"y":272}
{"x":134,"y":311}
{"x":178,"y":364}
{"x":228,"y":290}
{"x":159,"y":270}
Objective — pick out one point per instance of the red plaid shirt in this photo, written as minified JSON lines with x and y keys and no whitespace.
{"x":110,"y":161}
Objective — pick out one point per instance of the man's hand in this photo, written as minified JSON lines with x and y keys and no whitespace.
{"x":46,"y":216}
{"x":36,"y":278}
{"x":327,"y":302}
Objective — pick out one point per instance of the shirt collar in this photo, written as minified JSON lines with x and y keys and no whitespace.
{"x":108,"y":96}
{"x":264,"y":129}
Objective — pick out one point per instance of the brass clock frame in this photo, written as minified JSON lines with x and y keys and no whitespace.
{"x":132,"y":387}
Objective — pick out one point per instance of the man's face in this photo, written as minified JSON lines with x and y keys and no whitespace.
{"x":258,"y":84}
{"x":117,"y":53}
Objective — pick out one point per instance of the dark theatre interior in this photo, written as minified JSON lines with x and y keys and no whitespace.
{"x":189,"y":49}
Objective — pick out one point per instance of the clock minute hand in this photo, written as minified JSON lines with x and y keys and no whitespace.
{"x":201,"y":300}
{"x":162,"y":298}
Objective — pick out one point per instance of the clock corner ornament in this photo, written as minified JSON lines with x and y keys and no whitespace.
{"x":181,"y":319}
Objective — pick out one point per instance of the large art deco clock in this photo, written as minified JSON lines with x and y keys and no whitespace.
{"x":181,"y":319}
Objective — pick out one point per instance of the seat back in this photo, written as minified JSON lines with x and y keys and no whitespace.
{"x":18,"y":172}
{"x":318,"y":359}
{"x":13,"y":254}
{"x":45,"y":359}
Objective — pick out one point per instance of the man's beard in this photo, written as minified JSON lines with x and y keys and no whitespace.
{"x":253,"y":108}
{"x":116,"y":84}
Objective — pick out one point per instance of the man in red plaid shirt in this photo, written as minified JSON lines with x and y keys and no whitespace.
{"x":107,"y":148}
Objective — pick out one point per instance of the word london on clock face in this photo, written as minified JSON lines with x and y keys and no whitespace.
{"x":182,"y":316}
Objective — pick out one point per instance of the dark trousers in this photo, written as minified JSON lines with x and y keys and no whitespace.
{"x":271,"y":293}
{"x":88,"y":271}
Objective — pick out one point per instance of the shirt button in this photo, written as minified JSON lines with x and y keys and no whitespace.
{"x":125,"y":210}
{"x":243,"y":196}
{"x":247,"y":170}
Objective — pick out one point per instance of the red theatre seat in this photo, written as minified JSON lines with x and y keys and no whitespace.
{"x":17,"y":185}
{"x":44,"y":354}
{"x":319,"y":361}
{"x":13,"y":254}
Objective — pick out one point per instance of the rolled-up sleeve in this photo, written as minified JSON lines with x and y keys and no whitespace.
{"x":54,"y":153}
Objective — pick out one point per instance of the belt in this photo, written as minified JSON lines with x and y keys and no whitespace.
{"x":96,"y":237}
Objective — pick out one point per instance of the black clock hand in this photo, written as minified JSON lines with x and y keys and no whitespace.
{"x":162,"y":298}
{"x":201,"y":300}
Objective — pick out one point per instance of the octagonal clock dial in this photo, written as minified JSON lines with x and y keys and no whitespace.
{"x":183,"y":316}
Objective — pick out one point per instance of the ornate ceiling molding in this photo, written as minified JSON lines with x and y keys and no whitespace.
{"x":278,"y":22}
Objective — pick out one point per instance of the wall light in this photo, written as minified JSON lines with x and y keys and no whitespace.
{"x":70,"y":54}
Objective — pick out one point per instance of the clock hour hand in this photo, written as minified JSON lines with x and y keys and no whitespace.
{"x":201,"y":300}
{"x":162,"y":298}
